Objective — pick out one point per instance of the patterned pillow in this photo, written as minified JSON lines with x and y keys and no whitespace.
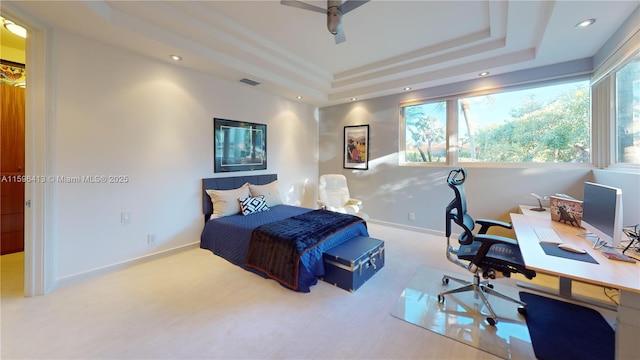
{"x":252,"y":205}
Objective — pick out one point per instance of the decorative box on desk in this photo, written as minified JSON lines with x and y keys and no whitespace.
{"x":353,"y":262}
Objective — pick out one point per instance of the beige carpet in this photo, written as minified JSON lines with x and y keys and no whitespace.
{"x":195,"y":305}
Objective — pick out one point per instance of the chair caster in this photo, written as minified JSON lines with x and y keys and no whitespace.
{"x":484,"y":288}
{"x":492,"y":321}
{"x":445,"y":280}
{"x":522,"y":310}
{"x":441,"y":299}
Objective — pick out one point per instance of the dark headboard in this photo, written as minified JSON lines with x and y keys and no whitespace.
{"x":229,"y":183}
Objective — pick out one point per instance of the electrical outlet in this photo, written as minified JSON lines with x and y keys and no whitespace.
{"x":151,"y":239}
{"x":412,"y":216}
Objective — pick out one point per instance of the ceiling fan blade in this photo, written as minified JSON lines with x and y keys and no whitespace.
{"x":302,"y":5}
{"x":340,"y":36}
{"x":351,"y":4}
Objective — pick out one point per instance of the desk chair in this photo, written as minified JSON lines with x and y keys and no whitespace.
{"x":334,"y":195}
{"x":480,"y":253}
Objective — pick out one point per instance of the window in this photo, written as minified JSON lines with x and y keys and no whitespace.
{"x":544,"y":124}
{"x":628,"y":113}
{"x":424,"y":127}
{"x":549,"y":124}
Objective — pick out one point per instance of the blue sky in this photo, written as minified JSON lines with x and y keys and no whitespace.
{"x":483,"y":113}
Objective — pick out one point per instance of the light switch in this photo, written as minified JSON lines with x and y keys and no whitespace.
{"x":125,"y":217}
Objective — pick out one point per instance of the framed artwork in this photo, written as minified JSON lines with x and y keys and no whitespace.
{"x":239,"y":146}
{"x":356,"y":147}
{"x":12,"y":73}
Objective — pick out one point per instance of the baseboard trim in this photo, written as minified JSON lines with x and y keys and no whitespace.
{"x":406,"y":227}
{"x":71,"y":279}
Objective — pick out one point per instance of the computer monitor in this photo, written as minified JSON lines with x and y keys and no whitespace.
{"x":602,"y":212}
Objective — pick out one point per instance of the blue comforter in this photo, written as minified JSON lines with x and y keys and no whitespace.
{"x":277,"y":248}
{"x":229,"y":238}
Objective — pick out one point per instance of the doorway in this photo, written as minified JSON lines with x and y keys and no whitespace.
{"x":12,"y":159}
{"x":12,"y":117}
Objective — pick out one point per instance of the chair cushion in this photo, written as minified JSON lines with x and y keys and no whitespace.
{"x":501,"y":257}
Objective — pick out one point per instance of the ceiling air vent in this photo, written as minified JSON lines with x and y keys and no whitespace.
{"x":249,"y":82}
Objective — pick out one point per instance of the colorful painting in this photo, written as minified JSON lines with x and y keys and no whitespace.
{"x":12,"y":73}
{"x":567,"y":211}
{"x":356,"y":147}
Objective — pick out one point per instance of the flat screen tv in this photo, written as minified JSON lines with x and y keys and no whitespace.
{"x":602,"y":212}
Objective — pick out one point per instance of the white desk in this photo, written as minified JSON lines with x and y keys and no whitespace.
{"x":526,"y":210}
{"x":620,"y":275}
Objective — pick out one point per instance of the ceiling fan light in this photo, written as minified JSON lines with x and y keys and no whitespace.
{"x":15,"y":28}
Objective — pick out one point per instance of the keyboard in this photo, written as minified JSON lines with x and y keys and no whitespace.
{"x":547,"y":235}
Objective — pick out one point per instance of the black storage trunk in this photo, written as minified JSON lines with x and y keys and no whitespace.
{"x":353,"y":262}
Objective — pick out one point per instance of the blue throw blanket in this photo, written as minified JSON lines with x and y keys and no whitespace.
{"x":276,"y":248}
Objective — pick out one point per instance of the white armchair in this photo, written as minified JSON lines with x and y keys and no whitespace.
{"x":334,"y":195}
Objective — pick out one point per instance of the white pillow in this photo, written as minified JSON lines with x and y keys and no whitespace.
{"x":225,"y":202}
{"x":270,"y":192}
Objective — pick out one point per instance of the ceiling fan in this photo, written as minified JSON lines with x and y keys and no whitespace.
{"x":335,"y":9}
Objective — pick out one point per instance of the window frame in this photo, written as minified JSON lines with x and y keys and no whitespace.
{"x":613,"y":122}
{"x":452,"y":134}
{"x":603,"y":104}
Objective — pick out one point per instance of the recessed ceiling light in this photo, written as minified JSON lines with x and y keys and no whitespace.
{"x":354,"y":99}
{"x":15,"y":28}
{"x":175,"y":57}
{"x":407,"y":88}
{"x":299,"y":97}
{"x":585,"y":23}
{"x":484,"y":73}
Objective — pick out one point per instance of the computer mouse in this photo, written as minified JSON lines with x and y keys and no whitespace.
{"x":572,"y":248}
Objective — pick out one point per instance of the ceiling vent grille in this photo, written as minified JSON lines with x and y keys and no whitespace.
{"x":249,"y":82}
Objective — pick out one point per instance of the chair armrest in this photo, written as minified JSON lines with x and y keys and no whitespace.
{"x":495,"y":239}
{"x":352,"y":209}
{"x":340,"y":209}
{"x":354,"y":202}
{"x":485,"y":224}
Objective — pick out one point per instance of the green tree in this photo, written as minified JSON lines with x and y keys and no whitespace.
{"x":424,"y":128}
{"x":557,"y":131}
{"x":465,"y":108}
{"x":425,"y":131}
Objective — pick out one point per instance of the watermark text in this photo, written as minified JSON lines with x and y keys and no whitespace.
{"x":63,"y":179}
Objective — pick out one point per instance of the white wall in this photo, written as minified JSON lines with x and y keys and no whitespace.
{"x":389,"y":191}
{"x":630,"y":184}
{"x":119,"y":113}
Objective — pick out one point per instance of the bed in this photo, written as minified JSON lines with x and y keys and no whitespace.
{"x":284,"y":243}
